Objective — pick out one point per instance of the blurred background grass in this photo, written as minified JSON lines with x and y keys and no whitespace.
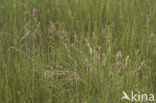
{"x":78,"y":51}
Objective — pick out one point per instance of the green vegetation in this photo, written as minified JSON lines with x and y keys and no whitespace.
{"x":76,"y":51}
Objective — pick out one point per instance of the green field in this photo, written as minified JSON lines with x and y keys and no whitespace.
{"x":77,"y":51}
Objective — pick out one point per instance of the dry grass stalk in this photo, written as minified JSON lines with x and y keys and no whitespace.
{"x":75,"y":78}
{"x":33,"y":34}
{"x":70,"y":14}
{"x":59,"y":35}
{"x":104,"y":58}
{"x":63,"y":32}
{"x":127,"y":59}
{"x":118,"y":56}
{"x":14,"y":48}
{"x":53,"y":28}
{"x":29,"y":51}
{"x":103,"y":34}
{"x":48,"y":67}
{"x":47,"y":74}
{"x":1,"y":33}
{"x":119,"y":60}
{"x":28,"y":31}
{"x":93,"y":36}
{"x":137,"y":51}
{"x":76,"y":39}
{"x":99,"y":53}
{"x":76,"y":64}
{"x":108,"y":46}
{"x":89,"y":47}
{"x":141,"y":66}
{"x":66,"y":47}
{"x":87,"y":67}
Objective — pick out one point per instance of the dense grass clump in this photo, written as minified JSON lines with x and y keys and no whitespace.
{"x":76,"y":51}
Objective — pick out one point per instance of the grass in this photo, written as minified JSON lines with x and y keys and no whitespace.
{"x":76,"y":51}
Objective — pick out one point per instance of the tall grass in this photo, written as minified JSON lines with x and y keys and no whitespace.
{"x":76,"y":51}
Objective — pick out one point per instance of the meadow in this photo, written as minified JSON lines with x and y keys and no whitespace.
{"x":76,"y":51}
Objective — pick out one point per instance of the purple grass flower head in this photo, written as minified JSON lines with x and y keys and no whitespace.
{"x":35,"y":12}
